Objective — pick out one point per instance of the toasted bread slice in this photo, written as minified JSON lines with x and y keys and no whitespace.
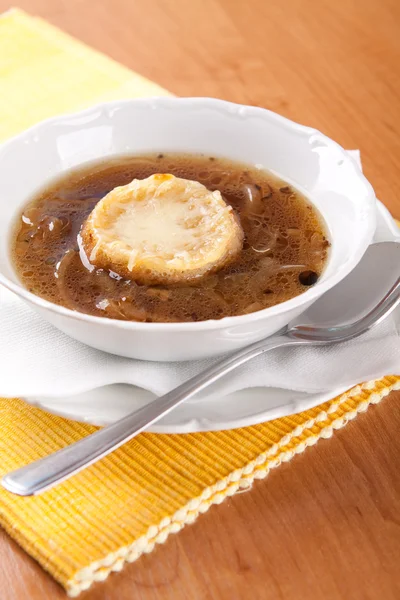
{"x":162,"y":229}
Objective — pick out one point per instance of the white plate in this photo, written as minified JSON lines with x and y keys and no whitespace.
{"x":240,"y":409}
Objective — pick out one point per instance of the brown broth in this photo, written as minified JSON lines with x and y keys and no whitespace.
{"x":284,"y":252}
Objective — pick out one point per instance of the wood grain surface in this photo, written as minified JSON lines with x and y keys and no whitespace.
{"x":326,"y":525}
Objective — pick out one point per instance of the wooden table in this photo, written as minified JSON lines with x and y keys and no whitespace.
{"x":326,"y":525}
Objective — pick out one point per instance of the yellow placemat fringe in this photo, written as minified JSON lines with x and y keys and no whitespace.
{"x":122,"y":506}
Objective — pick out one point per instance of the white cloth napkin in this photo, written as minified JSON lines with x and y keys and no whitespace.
{"x":36,"y":360}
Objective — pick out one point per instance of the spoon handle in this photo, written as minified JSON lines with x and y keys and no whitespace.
{"x":55,"y":468}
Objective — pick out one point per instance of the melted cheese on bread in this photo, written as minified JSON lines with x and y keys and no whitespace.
{"x":162,"y":229}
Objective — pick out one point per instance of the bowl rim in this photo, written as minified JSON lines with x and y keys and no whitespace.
{"x":226,"y":107}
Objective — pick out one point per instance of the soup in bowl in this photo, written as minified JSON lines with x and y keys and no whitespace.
{"x":241,"y":241}
{"x":173,"y":229}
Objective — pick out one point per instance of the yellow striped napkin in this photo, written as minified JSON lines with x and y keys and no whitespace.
{"x":44,"y":72}
{"x":154,"y":485}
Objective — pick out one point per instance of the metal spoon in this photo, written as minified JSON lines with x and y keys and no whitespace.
{"x":358,"y":303}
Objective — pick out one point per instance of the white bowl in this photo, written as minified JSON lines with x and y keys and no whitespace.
{"x":313,"y":163}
